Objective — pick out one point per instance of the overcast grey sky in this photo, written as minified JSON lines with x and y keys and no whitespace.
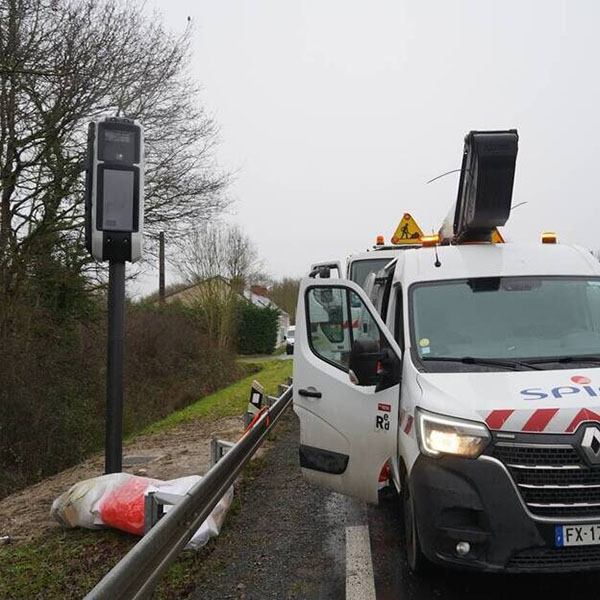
{"x":336,"y":113}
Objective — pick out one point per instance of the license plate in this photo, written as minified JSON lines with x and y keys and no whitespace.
{"x":577,"y":535}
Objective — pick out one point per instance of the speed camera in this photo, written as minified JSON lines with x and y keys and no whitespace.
{"x":115,"y":190}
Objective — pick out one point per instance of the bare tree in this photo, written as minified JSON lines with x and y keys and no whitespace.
{"x":221,"y":260}
{"x":285,"y":294}
{"x":64,"y":63}
{"x":221,"y":250}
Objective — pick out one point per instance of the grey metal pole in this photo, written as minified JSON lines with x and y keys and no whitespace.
{"x":114,"y":368}
{"x":161,"y":267}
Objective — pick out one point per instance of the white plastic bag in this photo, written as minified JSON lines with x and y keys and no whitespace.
{"x":79,"y":505}
{"x":118,"y":500}
{"x":212,"y":525}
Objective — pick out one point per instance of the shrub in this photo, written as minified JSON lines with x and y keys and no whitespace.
{"x":257,"y":329}
{"x":50,"y":392}
{"x":170,"y":363}
{"x":52,"y":383}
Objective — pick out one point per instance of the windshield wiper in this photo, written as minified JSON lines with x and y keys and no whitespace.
{"x":492,"y":362}
{"x":589,"y":358}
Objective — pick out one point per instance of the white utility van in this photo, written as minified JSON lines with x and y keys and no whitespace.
{"x":290,"y":336}
{"x":474,"y":379}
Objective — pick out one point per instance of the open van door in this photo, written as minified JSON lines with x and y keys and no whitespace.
{"x":347,"y":369}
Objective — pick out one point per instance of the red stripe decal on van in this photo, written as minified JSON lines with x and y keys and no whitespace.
{"x":539,"y":419}
{"x":585,"y":414}
{"x":409,"y":423}
{"x":497,"y":418}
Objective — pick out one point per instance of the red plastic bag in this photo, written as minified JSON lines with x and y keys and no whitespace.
{"x":123,"y":507}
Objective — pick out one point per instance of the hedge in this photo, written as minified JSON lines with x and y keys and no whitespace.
{"x":257,"y":329}
{"x":52,"y":384}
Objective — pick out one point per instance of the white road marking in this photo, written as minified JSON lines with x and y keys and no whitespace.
{"x":360,"y":583}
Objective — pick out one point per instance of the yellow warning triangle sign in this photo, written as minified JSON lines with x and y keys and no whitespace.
{"x":497,"y":237}
{"x":407,"y":232}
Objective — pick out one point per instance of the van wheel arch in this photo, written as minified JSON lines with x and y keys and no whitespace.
{"x":417,"y":562}
{"x":403,"y":475}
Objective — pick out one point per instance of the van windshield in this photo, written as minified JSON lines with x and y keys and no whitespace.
{"x":537,"y":319}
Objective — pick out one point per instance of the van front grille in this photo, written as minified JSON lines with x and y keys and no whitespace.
{"x":572,"y":557}
{"x":553,"y":479}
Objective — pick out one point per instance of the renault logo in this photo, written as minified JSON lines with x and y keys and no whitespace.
{"x":590,"y":444}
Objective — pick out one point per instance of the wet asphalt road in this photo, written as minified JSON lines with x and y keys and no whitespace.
{"x":289,"y":541}
{"x":394,"y":581}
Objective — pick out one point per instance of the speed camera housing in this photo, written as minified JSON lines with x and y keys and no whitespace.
{"x":115,"y":190}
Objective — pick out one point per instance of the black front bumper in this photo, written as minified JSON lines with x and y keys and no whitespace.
{"x":476,"y":501}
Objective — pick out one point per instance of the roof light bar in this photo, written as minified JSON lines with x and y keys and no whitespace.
{"x":430,"y":240}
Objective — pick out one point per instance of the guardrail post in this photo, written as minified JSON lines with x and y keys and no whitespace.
{"x":218,"y":449}
{"x":257,"y":393}
{"x":154,"y":503}
{"x":153,"y":511}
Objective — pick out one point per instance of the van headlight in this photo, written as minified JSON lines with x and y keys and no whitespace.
{"x":440,"y":435}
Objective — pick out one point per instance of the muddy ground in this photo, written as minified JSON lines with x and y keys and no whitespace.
{"x":183,"y":450}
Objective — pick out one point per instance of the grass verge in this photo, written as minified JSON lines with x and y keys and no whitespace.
{"x":66,"y":564}
{"x":229,"y":401}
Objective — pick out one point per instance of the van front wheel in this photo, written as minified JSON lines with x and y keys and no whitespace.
{"x":414,"y":556}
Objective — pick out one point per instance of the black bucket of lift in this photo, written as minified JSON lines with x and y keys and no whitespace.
{"x":486,"y":184}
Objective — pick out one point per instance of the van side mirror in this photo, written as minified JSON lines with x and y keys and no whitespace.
{"x":370,"y":365}
{"x":364,"y":356}
{"x":324,"y":272}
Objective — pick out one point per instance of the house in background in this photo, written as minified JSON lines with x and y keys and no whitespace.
{"x":196,"y":292}
{"x":256,"y":294}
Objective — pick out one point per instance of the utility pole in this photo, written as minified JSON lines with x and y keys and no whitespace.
{"x":161,"y":267}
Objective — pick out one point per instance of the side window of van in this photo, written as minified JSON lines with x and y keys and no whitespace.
{"x":377,"y":293}
{"x":398,"y":319}
{"x":336,"y":317}
{"x":380,"y":290}
{"x":380,"y":294}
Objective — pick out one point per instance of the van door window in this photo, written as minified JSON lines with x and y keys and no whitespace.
{"x":336,"y":317}
{"x":327,"y":318}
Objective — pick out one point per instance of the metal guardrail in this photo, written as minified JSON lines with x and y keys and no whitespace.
{"x":140,"y":570}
